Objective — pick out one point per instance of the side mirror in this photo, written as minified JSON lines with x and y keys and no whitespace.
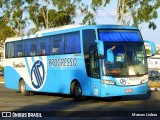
{"x":153,"y":47}
{"x":100,"y":47}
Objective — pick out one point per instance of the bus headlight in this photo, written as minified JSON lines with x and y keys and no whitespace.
{"x":108,"y":82}
{"x":144,"y":81}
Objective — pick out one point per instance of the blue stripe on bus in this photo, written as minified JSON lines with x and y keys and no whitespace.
{"x":29,"y":70}
{"x":33,"y":61}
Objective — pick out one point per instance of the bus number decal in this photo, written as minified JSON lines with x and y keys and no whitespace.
{"x":37,"y":74}
{"x":62,"y":62}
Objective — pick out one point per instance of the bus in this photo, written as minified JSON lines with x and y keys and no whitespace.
{"x":80,"y":60}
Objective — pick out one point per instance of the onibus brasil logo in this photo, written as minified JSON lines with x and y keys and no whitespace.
{"x":37,"y":75}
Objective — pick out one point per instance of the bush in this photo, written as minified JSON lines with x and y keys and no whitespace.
{"x":1,"y":67}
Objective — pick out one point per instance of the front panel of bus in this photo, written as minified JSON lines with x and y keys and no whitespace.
{"x":123,"y":67}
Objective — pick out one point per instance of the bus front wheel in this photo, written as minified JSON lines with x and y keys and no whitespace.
{"x":22,"y":88}
{"x":77,"y":91}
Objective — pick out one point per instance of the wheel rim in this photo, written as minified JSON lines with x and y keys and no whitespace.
{"x":78,"y":90}
{"x":22,"y":87}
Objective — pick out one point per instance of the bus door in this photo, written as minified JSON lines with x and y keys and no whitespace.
{"x":94,"y":70}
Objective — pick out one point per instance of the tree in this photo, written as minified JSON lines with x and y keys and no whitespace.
{"x":90,"y":10}
{"x":51,"y":13}
{"x":138,"y":11}
{"x":47,"y":13}
{"x":5,"y":31}
{"x":148,"y":51}
{"x":14,"y":15}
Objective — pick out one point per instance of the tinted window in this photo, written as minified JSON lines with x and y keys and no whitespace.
{"x":57,"y":44}
{"x":31,"y":47}
{"x":9,"y":50}
{"x":43,"y":46}
{"x":89,"y":38}
{"x":72,"y":43}
{"x":19,"y":49}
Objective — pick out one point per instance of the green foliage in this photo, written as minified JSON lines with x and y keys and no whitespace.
{"x":47,"y":13}
{"x":142,"y":11}
{"x":96,"y":4}
{"x":148,"y":51}
{"x":1,"y":67}
{"x":5,"y":31}
{"x":1,"y":3}
{"x":18,"y":14}
{"x":158,"y":52}
{"x":13,"y":14}
{"x":45,"y":16}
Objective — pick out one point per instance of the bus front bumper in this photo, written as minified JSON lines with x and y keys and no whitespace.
{"x":113,"y":90}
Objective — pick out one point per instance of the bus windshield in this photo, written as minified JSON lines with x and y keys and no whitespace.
{"x":124,"y":59}
{"x":124,"y":53}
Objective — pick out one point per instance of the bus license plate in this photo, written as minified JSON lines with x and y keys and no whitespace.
{"x":129,"y":90}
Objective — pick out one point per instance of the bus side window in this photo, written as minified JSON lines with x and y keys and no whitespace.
{"x":6,"y":50}
{"x":72,"y":43}
{"x":94,"y":63}
{"x":19,"y":49}
{"x":31,"y":47}
{"x":55,"y":50}
{"x":43,"y":46}
{"x":10,"y":50}
{"x":57,"y":45}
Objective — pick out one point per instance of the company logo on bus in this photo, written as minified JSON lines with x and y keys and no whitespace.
{"x":37,"y":74}
{"x":123,"y":82}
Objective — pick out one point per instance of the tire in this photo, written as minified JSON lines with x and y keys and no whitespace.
{"x":76,"y":91}
{"x":22,"y":88}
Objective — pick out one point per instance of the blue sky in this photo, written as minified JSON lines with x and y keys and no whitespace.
{"x":108,"y":16}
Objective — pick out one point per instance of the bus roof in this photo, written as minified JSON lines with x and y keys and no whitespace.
{"x":69,"y":28}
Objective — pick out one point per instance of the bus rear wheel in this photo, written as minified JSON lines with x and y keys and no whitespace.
{"x":76,"y":90}
{"x":22,"y":88}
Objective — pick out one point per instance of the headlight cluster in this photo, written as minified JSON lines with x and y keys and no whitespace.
{"x":108,"y":82}
{"x":144,"y":81}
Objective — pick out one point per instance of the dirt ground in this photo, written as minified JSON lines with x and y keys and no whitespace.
{"x":1,"y":79}
{"x":154,"y":84}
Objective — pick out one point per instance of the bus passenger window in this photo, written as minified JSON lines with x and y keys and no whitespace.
{"x":20,"y":54}
{"x":57,"y":44}
{"x":33,"y":53}
{"x":72,"y":43}
{"x":42,"y":52}
{"x":43,"y":46}
{"x":55,"y":50}
{"x":31,"y":47}
{"x":10,"y":50}
{"x":19,"y":49}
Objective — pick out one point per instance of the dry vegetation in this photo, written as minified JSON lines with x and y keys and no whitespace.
{"x":154,"y":84}
{"x":1,"y":79}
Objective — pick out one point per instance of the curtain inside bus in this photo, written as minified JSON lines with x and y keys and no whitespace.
{"x":119,"y":36}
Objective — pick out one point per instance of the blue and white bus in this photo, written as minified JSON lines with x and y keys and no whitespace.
{"x":81,"y":60}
